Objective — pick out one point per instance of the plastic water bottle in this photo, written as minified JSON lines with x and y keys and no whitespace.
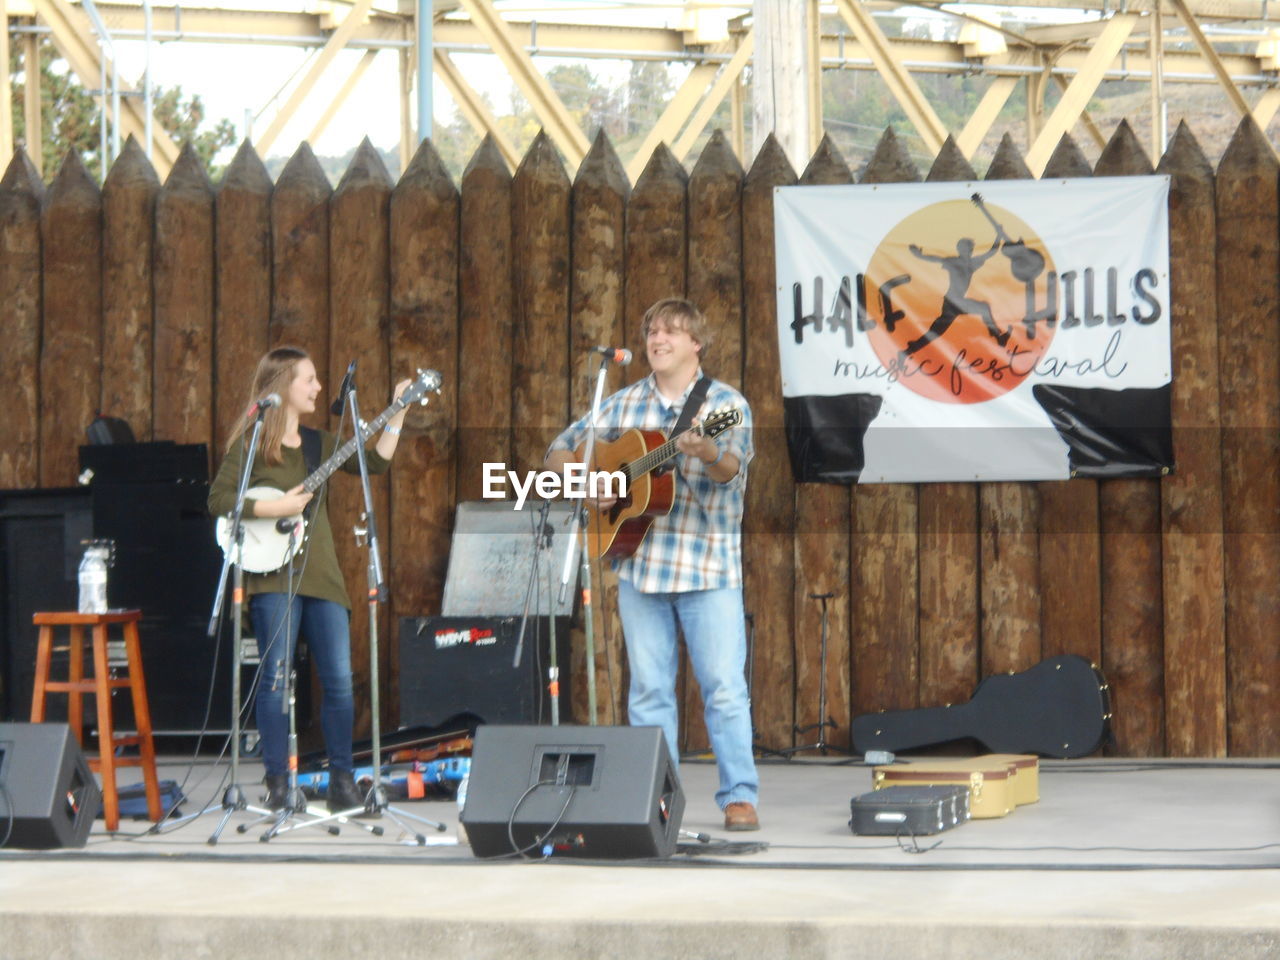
{"x":93,"y":578}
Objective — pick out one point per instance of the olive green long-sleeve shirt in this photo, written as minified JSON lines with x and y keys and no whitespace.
{"x":315,"y":567}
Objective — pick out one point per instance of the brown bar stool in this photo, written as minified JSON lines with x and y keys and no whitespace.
{"x":100,"y":684}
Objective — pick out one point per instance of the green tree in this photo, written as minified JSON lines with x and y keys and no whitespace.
{"x":70,"y":118}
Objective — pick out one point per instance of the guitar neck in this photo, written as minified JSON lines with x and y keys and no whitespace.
{"x":343,"y":453}
{"x":654,"y":458}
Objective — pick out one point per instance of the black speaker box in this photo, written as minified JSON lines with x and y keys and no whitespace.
{"x":455,"y":665}
{"x":49,"y":790}
{"x":598,"y":793}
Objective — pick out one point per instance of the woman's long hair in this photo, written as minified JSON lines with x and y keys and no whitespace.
{"x":275,"y":373}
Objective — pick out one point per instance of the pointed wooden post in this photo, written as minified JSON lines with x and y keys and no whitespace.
{"x":359,"y":272}
{"x":1071,"y":618}
{"x":770,"y":546}
{"x":1249,"y":367}
{"x":540,"y":238}
{"x":424,"y":333}
{"x":657,"y":267}
{"x":128,"y":222}
{"x":242,"y":284}
{"x":540,"y":225}
{"x":885,"y":549}
{"x":1009,"y":523}
{"x":822,"y":563}
{"x":1132,"y":657}
{"x":486,"y":335}
{"x":596,"y":308}
{"x":184,"y":304}
{"x":1195,"y":656}
{"x":71,"y":352}
{"x":715,"y":285}
{"x":948,"y":550}
{"x":21,"y":197}
{"x":300,"y":259}
{"x":715,"y":253}
{"x":657,"y":245}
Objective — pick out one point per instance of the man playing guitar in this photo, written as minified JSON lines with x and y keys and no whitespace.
{"x":688,"y":568}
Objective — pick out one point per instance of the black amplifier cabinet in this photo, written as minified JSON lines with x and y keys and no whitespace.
{"x":456,"y":665}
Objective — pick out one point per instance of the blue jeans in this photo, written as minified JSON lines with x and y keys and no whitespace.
{"x":326,"y":625}
{"x":716,"y":638}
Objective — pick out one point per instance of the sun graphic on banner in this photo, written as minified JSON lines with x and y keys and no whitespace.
{"x":957,"y":291}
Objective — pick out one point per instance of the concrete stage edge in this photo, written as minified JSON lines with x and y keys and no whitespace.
{"x":1119,"y":859}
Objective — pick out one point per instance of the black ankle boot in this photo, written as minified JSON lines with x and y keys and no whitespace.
{"x":277,"y":791}
{"x":343,"y":793}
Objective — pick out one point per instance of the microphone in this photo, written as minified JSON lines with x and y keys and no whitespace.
{"x":336,"y":407}
{"x":619,"y":355}
{"x":265,"y":404}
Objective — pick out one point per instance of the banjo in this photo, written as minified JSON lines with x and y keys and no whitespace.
{"x":271,"y":542}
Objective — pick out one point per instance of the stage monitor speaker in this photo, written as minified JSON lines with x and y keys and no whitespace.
{"x":463,"y":665}
{"x":49,"y":791}
{"x":598,"y":793}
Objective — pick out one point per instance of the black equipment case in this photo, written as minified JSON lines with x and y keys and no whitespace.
{"x":913,"y":811}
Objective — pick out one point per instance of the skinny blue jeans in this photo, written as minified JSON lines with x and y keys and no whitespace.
{"x":326,"y":625}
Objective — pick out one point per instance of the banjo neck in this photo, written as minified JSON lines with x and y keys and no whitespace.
{"x":327,"y":469}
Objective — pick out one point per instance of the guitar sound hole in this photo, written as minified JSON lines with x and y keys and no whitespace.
{"x":621,"y":503}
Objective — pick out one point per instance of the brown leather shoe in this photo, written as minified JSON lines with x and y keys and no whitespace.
{"x":741,"y":815}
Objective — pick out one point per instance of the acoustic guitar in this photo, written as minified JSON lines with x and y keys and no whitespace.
{"x":618,"y":531}
{"x":270,"y":543}
{"x":1060,"y":708}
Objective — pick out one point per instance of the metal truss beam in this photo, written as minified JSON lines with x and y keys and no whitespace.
{"x":341,"y":96}
{"x":459,"y":36}
{"x":556,"y":120}
{"x":330,"y":50}
{"x":679,"y":109}
{"x":71,"y":35}
{"x":1211,"y":55}
{"x":728,"y":76}
{"x":901,"y":84}
{"x":1081,"y":88}
{"x":474,"y":108}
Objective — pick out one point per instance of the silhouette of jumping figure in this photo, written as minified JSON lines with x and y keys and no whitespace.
{"x":956,"y":301}
{"x":1026,"y":264}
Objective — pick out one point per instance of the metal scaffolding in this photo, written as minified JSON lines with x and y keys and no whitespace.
{"x":1232,"y":43}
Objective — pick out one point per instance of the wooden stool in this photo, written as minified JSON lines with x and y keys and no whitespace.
{"x":100,"y":684}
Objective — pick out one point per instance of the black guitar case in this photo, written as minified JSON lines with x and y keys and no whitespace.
{"x":1058,"y":708}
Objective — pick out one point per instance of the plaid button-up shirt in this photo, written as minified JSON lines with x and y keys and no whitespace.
{"x":698,"y":545}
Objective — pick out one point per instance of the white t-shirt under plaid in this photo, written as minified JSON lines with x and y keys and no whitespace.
{"x":698,"y":545}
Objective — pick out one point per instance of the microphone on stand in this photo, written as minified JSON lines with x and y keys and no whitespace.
{"x":336,"y":407}
{"x":619,"y":355}
{"x":263,"y":405}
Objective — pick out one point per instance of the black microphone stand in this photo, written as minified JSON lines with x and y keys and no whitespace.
{"x":233,"y":798}
{"x":576,"y":529}
{"x":375,"y":804}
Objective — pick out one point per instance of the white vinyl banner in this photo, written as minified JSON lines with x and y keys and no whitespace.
{"x":1003,"y":330}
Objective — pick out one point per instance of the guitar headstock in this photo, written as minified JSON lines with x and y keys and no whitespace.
{"x":428,"y":382}
{"x":718,"y":421}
